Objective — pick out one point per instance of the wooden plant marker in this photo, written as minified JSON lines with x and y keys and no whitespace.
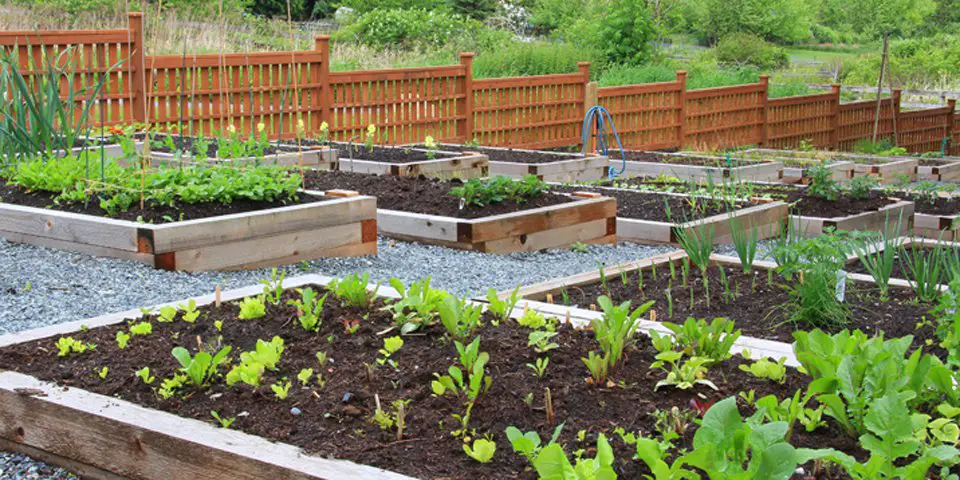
{"x":341,"y":193}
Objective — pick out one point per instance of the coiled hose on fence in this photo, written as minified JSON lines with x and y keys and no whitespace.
{"x":601,"y":117}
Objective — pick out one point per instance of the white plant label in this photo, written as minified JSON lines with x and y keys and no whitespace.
{"x":841,"y":285}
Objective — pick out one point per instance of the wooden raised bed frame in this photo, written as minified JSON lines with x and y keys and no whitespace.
{"x":946,"y":170}
{"x":763,"y":171}
{"x":589,"y":220}
{"x":333,"y":228}
{"x":568,"y":167}
{"x":316,"y":158}
{"x":842,"y":171}
{"x":459,"y":165}
{"x":767,"y":217}
{"x":102,"y":437}
{"x":887,"y":170}
{"x":874,"y":221}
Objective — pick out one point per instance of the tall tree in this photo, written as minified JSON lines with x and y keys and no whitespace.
{"x":478,"y":9}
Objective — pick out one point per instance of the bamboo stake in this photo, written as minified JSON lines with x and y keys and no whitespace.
{"x":548,"y":404}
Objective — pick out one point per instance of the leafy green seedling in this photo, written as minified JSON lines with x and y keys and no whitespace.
{"x":281,"y":389}
{"x":202,"y":367}
{"x":141,"y":328}
{"x":482,"y":450}
{"x":144,"y":375}
{"x":252,"y":308}
{"x":103,"y":372}
{"x":69,"y":345}
{"x":304,"y":376}
{"x":540,"y":341}
{"x":223,"y":421}
{"x":167,"y":314}
{"x":190,"y":312}
{"x":123,"y":338}
{"x":390,"y":346}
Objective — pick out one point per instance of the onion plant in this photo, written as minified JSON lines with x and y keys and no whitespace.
{"x":698,"y":243}
{"x":880,"y":264}
{"x":925,"y":270}
{"x":744,"y":242}
{"x":41,"y":112}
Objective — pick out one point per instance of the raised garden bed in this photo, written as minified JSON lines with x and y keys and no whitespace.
{"x":888,"y":170}
{"x":411,"y":162}
{"x":646,"y":217}
{"x":945,"y":169}
{"x":308,"y":154}
{"x":547,"y":166}
{"x":757,"y":308}
{"x":423,"y":210}
{"x":215,"y":239}
{"x":116,"y":425}
{"x":935,"y":215}
{"x":694,"y":167}
{"x":798,"y":170}
{"x":900,"y":274}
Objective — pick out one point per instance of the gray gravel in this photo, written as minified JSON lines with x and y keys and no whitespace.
{"x":41,"y":286}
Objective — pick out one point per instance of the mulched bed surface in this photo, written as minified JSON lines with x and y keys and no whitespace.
{"x":419,"y":195}
{"x":810,"y":206}
{"x":759,"y":312}
{"x":652,"y":206}
{"x":657,"y":157}
{"x":335,"y":420}
{"x":939,"y":206}
{"x":358,"y":151}
{"x":153,"y":213}
{"x":510,"y":155}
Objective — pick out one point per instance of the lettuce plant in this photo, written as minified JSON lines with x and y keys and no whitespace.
{"x":418,"y":305}
{"x":309,"y":309}
{"x":552,"y":463}
{"x":502,"y":308}
{"x":70,"y":345}
{"x":200,"y":368}
{"x":460,"y":317}
{"x":697,"y":338}
{"x":481,"y":451}
{"x":352,"y":290}
{"x":190,"y":312}
{"x":252,"y":308}
{"x":616,"y":328}
{"x":141,"y":328}
{"x":529,"y":444}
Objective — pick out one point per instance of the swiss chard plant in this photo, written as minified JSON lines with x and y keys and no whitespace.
{"x":202,"y":367}
{"x":460,"y":317}
{"x":309,"y":309}
{"x":352,"y":290}
{"x":418,"y":305}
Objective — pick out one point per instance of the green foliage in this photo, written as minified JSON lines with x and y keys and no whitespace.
{"x":764,"y":368}
{"x":925,"y":269}
{"x":252,"y":308}
{"x":144,"y":375}
{"x":698,"y":244}
{"x":223,"y":421}
{"x":391,"y":345}
{"x":123,"y":339}
{"x":202,"y":367}
{"x":750,"y":49}
{"x":459,"y":317}
{"x":529,"y":444}
{"x":727,"y":447}
{"x":616,"y":328}
{"x":552,"y":463}
{"x":533,"y":58}
{"x":121,"y":186}
{"x":822,"y":183}
{"x":482,"y":192}
{"x":697,"y":338}
{"x":281,"y":389}
{"x":865,"y":370}
{"x":785,"y":21}
{"x":476,"y":9}
{"x":352,"y":290}
{"x":502,"y":308}
{"x":309,"y":309}
{"x":625,"y":32}
{"x":468,"y":388}
{"x":482,"y":450}
{"x":279,"y":8}
{"x":141,"y":328}
{"x":418,"y":305}
{"x":880,"y":264}
{"x":744,"y":242}
{"x":69,"y":345}
{"x":410,"y":28}
{"x":273,"y":288}
{"x":859,"y":187}
{"x":253,"y":363}
{"x":793,"y":409}
{"x":682,"y":374}
{"x":947,"y":314}
{"x":190,"y":312}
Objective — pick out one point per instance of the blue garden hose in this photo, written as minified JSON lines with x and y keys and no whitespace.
{"x":601,"y":117}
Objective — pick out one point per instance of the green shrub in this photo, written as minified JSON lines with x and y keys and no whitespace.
{"x":535,"y":58}
{"x":408,"y":28}
{"x":913,"y":61}
{"x":625,"y":32}
{"x":364,"y":6}
{"x":476,"y":9}
{"x":749,"y":49}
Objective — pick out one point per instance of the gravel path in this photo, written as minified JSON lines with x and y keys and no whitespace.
{"x":41,"y":286}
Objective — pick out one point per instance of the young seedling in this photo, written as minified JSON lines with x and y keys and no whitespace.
{"x":390,"y":346}
{"x":167,"y":314}
{"x":144,"y":375}
{"x":540,"y":367}
{"x":103,"y":372}
{"x":141,"y":328}
{"x":273,"y":288}
{"x":482,"y":450}
{"x":281,"y":389}
{"x":70,"y":345}
{"x":541,"y":342}
{"x":502,"y":308}
{"x":309,"y":309}
{"x":123,"y":338}
{"x":304,"y":376}
{"x":190,"y":312}
{"x":202,"y":367}
{"x":252,"y":308}
{"x":223,"y":421}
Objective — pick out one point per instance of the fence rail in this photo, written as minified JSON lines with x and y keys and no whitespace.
{"x":293,"y":93}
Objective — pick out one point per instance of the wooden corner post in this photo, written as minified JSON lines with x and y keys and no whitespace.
{"x":320,"y":77}
{"x":948,"y":125}
{"x":895,"y":95}
{"x":681,"y":121}
{"x":466,"y":109}
{"x":590,"y":100}
{"x":765,"y":82}
{"x":835,"y":117}
{"x":137,"y":68}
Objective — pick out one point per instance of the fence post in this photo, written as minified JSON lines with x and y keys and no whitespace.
{"x":948,"y":125}
{"x":682,"y":107}
{"x":466,"y":59}
{"x":835,"y":121}
{"x":137,"y":66}
{"x":321,"y":78}
{"x":895,"y":107}
{"x":590,"y":100}
{"x":765,"y":82}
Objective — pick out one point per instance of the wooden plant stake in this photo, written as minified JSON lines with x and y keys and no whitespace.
{"x":550,"y":298}
{"x":401,"y":420}
{"x":567,"y":321}
{"x":653,"y":315}
{"x":217,"y":296}
{"x":548,"y":403}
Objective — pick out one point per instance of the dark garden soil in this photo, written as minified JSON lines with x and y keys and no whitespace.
{"x":810,"y":206}
{"x":511,"y":155}
{"x":334,"y":420}
{"x":658,"y":157}
{"x":358,"y":151}
{"x":186,"y":144}
{"x":419,"y":195}
{"x":938,"y":205}
{"x":152,"y":213}
{"x":654,"y":206}
{"x":759,"y":308}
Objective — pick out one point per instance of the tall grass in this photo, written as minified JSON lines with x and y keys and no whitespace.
{"x":534,"y":58}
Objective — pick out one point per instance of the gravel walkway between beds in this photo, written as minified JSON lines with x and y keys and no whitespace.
{"x":41,"y":286}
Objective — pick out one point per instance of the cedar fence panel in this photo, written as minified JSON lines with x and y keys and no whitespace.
{"x":530,"y":112}
{"x":405,"y":104}
{"x":856,"y":120}
{"x":86,"y":57}
{"x":207,"y":93}
{"x":726,"y":116}
{"x":955,"y":141}
{"x":924,"y":130}
{"x":648,"y":116}
{"x":810,"y":118}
